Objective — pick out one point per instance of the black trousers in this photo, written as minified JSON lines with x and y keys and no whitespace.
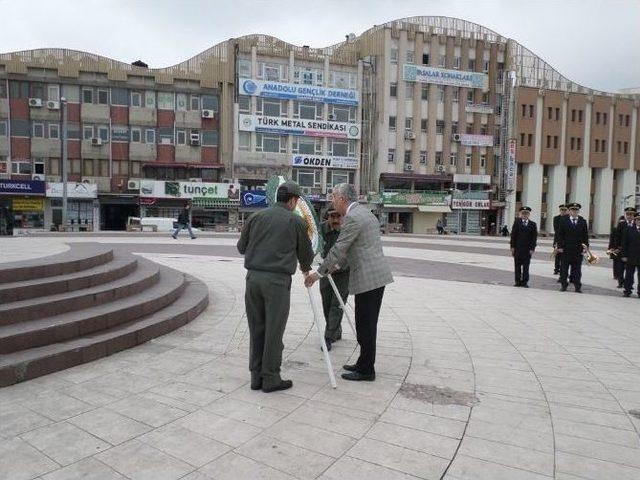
{"x":619,"y":269}
{"x":522,"y":269}
{"x":575,"y":263}
{"x":367,"y":311}
{"x":629,"y":273}
{"x":556,"y":265}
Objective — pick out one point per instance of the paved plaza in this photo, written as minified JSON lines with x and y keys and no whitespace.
{"x":477,"y":380}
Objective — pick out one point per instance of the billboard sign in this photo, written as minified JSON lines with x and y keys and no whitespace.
{"x":298,"y":126}
{"x":443,"y":76}
{"x":295,"y":91}
{"x":320,"y":161}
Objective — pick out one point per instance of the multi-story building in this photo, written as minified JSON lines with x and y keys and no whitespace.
{"x":429,"y":116}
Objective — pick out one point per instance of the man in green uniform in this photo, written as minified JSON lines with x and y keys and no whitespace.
{"x":330,"y":230}
{"x":273,"y":241}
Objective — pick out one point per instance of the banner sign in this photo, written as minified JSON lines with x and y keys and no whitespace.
{"x":295,"y":91}
{"x":478,"y":108}
{"x":74,"y":190}
{"x":253,"y":199}
{"x":442,"y":76}
{"x":298,"y":126}
{"x":22,"y":187}
{"x":28,"y":204}
{"x":510,"y":170}
{"x":464,"y":204}
{"x":319,"y":161}
{"x":475,"y":140}
{"x":189,"y":190}
{"x":415,"y":198}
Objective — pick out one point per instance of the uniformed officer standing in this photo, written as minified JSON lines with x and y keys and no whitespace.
{"x":631,"y":256}
{"x":273,"y":241}
{"x":330,"y":230}
{"x":615,"y":246}
{"x":556,"y":224}
{"x":621,"y":230}
{"x":572,"y":235}
{"x":524,"y":238}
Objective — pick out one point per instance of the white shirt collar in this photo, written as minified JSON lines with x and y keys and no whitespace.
{"x":351,"y":205}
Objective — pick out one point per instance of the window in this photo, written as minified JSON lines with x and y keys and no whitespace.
{"x":457,"y":61}
{"x":455,"y":91}
{"x":38,"y":165}
{"x":342,"y":148}
{"x":604,"y":145}
{"x":408,"y":123}
{"x":573,"y":143}
{"x":87,"y":95}
{"x":136,"y":99}
{"x":53,"y":166}
{"x":557,"y":113}
{"x":87,"y":132}
{"x":335,"y":178}
{"x":53,"y":93}
{"x":524,"y":110}
{"x":597,"y":145}
{"x":423,"y":125}
{"x":150,"y":99}
{"x":619,"y":146}
{"x":181,"y":137}
{"x":392,"y":124}
{"x":439,"y":127}
{"x":597,"y":118}
{"x":194,"y":102}
{"x":469,"y":128}
{"x":103,"y":133}
{"x":393,"y":89}
{"x":578,"y":143}
{"x":3,"y":129}
{"x":485,"y":66}
{"x":442,"y":60}
{"x":483,"y":129}
{"x":555,"y":141}
{"x":620,"y":119}
{"x":103,"y":97}
{"x":529,"y":140}
{"x":483,"y":161}
{"x":38,"y":130}
{"x":440,"y":93}
{"x":87,"y":169}
{"x":21,"y":168}
{"x":307,"y":145}
{"x":150,"y":135}
{"x":54,"y":131}
{"x":470,"y":97}
{"x":604,"y":118}
{"x":626,"y":147}
{"x":307,"y":178}
{"x":424,"y":91}
{"x":271,"y":72}
{"x":408,"y":90}
{"x":452,"y":159}
{"x":407,"y":156}
{"x":136,"y":135}
{"x":310,"y":111}
{"x":579,"y":116}
{"x":394,"y":55}
{"x":530,"y":111}
{"x":467,"y":160}
{"x":244,"y":104}
{"x":411,"y":57}
{"x":423,"y":157}
{"x":271,"y":143}
{"x":425,"y":59}
{"x":550,"y":112}
{"x":548,"y":141}
{"x":454,"y":127}
{"x":270,"y":108}
{"x":438,"y":159}
{"x":244,"y":67}
{"x":244,"y":141}
{"x":573,"y":115}
{"x":472,"y":64}
{"x":485,"y":98}
{"x":391,"y":155}
{"x":626,"y":120}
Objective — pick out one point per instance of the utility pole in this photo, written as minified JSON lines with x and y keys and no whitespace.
{"x":63,"y":105}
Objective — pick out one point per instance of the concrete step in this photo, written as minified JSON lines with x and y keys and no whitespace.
{"x":79,"y":257}
{"x":66,"y":326}
{"x":145,"y":275}
{"x":34,"y":362}
{"x":121,"y":266}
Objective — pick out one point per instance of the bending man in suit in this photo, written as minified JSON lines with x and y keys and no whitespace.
{"x":631,"y":256}
{"x":524,"y":238}
{"x":360,"y":246}
{"x":573,"y":235}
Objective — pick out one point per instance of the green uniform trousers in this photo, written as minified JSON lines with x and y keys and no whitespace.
{"x":331,"y":305}
{"x":267,"y":298}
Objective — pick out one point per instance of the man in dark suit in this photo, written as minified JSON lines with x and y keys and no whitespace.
{"x":621,"y":229}
{"x":524,"y":237}
{"x":556,"y":225}
{"x":631,"y":256}
{"x":573,"y":238}
{"x":615,"y":244}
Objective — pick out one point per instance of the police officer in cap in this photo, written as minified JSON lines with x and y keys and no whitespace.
{"x":273,"y":242}
{"x":573,"y":235}
{"x":621,"y":229}
{"x":631,"y":256}
{"x":556,"y":225}
{"x":524,"y":237}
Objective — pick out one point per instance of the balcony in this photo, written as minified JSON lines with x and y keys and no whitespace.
{"x":142,"y":151}
{"x":147,"y":117}
{"x":187,"y":153}
{"x":95,"y":113}
{"x":45,"y":147}
{"x":190,"y":119}
{"x":44,"y":113}
{"x":95,"y":151}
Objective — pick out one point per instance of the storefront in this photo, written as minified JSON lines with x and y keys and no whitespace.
{"x":83,"y":209}
{"x":413,"y":212}
{"x":115,"y":210}
{"x":469,"y":216}
{"x":22,"y":205}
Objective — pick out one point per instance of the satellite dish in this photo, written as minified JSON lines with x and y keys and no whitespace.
{"x":351,"y":37}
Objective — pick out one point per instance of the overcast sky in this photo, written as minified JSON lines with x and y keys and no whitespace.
{"x":594,"y":43}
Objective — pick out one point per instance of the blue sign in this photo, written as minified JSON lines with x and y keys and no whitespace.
{"x":295,"y":91}
{"x":22,"y":187}
{"x":442,"y":76}
{"x":254,"y":199}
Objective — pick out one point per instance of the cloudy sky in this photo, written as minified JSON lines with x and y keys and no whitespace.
{"x":593,"y":42}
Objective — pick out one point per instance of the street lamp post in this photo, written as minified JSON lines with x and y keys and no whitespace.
{"x":63,"y":106}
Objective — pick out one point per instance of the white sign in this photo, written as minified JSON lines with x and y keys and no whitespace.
{"x":319,"y":161}
{"x":188,"y":190}
{"x":295,"y":91}
{"x":510,"y":171}
{"x":442,"y":76}
{"x":475,"y":140}
{"x":463,"y":204}
{"x":479,"y":108}
{"x":74,"y":190}
{"x":298,"y":126}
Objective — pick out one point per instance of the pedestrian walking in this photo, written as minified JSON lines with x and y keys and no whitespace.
{"x":273,"y":242}
{"x":184,"y":221}
{"x":524,"y":237}
{"x":440,"y":226}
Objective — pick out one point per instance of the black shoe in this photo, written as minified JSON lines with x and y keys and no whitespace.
{"x":328,"y":343}
{"x":256,"y":382}
{"x":626,"y":294}
{"x":620,"y":285}
{"x":350,"y":368}
{"x":193,"y":238}
{"x":283,"y":385}
{"x":558,"y":281}
{"x":556,"y":272}
{"x":578,"y":290}
{"x":359,"y":377}
{"x":524,"y":285}
{"x":563,"y":288}
{"x":517,"y":284}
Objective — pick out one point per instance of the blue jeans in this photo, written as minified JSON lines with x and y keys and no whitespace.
{"x":180,"y":227}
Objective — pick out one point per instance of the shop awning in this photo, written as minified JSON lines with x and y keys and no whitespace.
{"x":434,"y":208}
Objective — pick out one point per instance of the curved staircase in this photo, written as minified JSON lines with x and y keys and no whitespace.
{"x":60,"y":311}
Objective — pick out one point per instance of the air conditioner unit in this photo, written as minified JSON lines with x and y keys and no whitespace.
{"x":195,"y":139}
{"x":306,"y":190}
{"x":208,"y":113}
{"x":51,"y":105}
{"x":133,"y":185}
{"x":96,"y":142}
{"x":329,"y":190}
{"x":408,"y":167}
{"x":409,"y":135}
{"x":227,"y":180}
{"x":35,"y":102}
{"x":166,"y":141}
{"x":331,"y":117}
{"x":87,"y":180}
{"x":440,"y":168}
{"x":38,"y":176}
{"x":455,"y":137}
{"x":195,"y":180}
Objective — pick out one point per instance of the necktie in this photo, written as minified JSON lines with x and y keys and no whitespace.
{"x":574,"y":221}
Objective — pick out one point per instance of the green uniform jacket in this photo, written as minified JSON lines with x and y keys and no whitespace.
{"x":330,"y":237}
{"x":275,"y":240}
